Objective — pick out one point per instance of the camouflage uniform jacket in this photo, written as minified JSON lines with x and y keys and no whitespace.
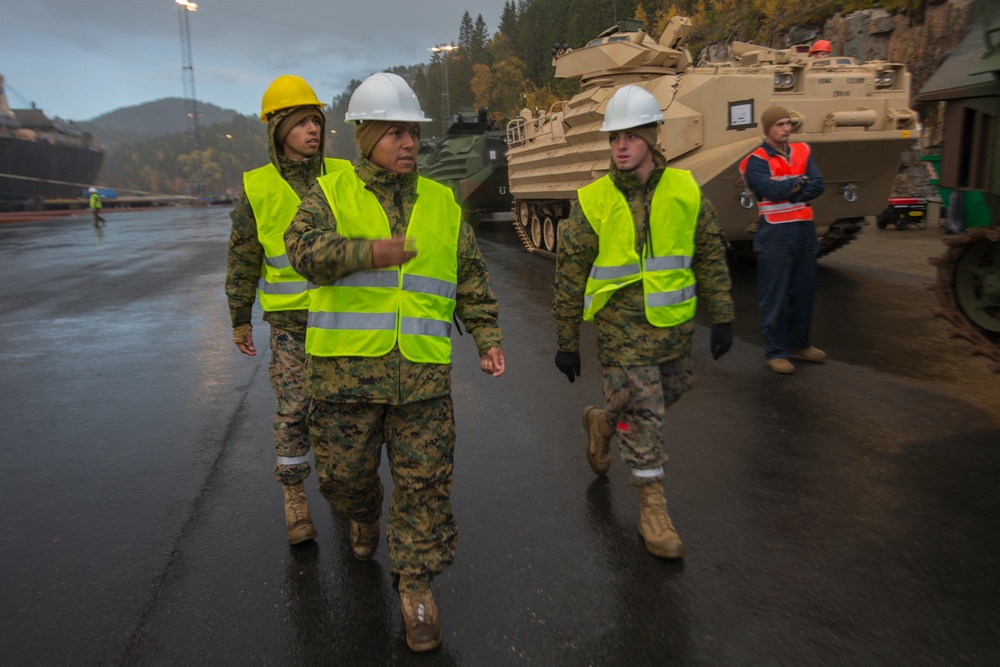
{"x":321,"y":255}
{"x":624,"y":335}
{"x":246,"y":254}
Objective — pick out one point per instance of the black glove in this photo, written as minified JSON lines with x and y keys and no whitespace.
{"x":722,"y":339}
{"x":569,"y":364}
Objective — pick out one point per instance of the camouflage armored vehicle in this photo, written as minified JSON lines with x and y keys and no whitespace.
{"x":471,"y":159}
{"x":855,"y":118}
{"x":968,"y":272}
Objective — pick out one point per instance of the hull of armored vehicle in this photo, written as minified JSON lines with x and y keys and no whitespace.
{"x":968,"y":271}
{"x":471,"y":160}
{"x":854,"y":117}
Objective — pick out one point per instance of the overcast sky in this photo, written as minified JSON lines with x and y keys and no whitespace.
{"x":78,"y":59}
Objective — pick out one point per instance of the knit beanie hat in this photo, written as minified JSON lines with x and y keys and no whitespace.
{"x":294,"y":118}
{"x":771,"y":116}
{"x":369,"y":132}
{"x":645,"y":132}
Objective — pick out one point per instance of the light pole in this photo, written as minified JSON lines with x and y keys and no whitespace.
{"x":444,"y":49}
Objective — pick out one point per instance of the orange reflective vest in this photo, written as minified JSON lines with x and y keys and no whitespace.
{"x":781,"y":169}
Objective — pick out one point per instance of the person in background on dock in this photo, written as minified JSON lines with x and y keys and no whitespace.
{"x":638,"y":248}
{"x":394,"y":264}
{"x":258,"y":268}
{"x":783,"y":179}
{"x":95,"y":207}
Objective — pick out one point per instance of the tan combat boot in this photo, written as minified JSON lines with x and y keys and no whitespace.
{"x":298,"y":520}
{"x":364,"y":539}
{"x":420,"y":616}
{"x":654,"y":523}
{"x":599,"y":433}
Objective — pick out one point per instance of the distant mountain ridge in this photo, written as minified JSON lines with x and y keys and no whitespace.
{"x":151,"y":119}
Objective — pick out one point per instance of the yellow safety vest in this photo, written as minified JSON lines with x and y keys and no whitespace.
{"x":369,"y":312}
{"x":274,"y":204}
{"x":668,"y":282}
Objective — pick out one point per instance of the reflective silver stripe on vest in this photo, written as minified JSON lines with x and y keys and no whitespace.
{"x":422,"y":326}
{"x":645,"y":474}
{"x":672,"y":298}
{"x":613,"y":272}
{"x":667,"y":262}
{"x":785,"y":206}
{"x":370,"y":278}
{"x":277,"y":262}
{"x":354,"y":321}
{"x":294,"y":287}
{"x":434,"y":286}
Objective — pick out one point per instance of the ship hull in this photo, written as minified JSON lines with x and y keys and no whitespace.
{"x":42,"y":170}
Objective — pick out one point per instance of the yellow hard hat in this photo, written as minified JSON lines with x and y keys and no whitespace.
{"x":285,"y":92}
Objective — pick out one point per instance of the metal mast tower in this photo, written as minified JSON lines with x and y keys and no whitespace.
{"x":184,"y":8}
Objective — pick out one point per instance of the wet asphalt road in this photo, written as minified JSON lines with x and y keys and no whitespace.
{"x":846,"y":515}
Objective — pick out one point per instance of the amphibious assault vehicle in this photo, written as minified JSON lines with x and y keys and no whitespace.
{"x":471,"y":159}
{"x":968,"y":272}
{"x":854,"y":116}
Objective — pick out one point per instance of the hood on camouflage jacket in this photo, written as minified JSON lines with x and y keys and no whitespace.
{"x":297,"y":173}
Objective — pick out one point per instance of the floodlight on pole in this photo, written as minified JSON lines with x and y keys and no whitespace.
{"x":185,"y":8}
{"x":444,"y":49}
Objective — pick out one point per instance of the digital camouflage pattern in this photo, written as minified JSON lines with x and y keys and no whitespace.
{"x":420,"y":441}
{"x":321,"y":255}
{"x":361,"y":402}
{"x":636,"y":400}
{"x":624,"y":336}
{"x":246,"y":254}
{"x":644,"y":369}
{"x":290,"y":429}
{"x":288,"y":328}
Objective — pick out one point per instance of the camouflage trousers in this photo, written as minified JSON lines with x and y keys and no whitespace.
{"x":636,"y":399}
{"x":290,"y":428}
{"x":420,"y":445}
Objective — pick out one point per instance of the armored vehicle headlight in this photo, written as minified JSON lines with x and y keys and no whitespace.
{"x":784,"y":80}
{"x":883,"y":79}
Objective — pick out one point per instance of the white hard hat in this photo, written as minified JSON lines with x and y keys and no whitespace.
{"x":92,"y":190}
{"x":385,"y":96}
{"x":631,"y":106}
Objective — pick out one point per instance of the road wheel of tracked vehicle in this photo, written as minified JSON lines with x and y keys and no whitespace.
{"x":523,"y":213}
{"x":968,"y":289}
{"x":549,"y":233}
{"x":977,"y":284}
{"x":536,"y":231}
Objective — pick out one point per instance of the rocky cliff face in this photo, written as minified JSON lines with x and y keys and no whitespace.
{"x":875,"y":34}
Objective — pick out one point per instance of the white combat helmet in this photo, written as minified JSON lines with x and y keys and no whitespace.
{"x":385,"y":96}
{"x":631,"y":106}
{"x":92,"y":190}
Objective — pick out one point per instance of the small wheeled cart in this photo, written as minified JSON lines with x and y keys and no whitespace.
{"x":903,"y":213}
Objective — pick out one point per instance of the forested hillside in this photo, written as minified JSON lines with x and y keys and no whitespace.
{"x":505,"y":67}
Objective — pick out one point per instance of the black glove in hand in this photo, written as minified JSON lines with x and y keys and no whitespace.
{"x":569,"y":364}
{"x":722,"y":339}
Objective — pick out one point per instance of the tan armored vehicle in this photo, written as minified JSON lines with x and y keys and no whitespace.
{"x":855,"y":118}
